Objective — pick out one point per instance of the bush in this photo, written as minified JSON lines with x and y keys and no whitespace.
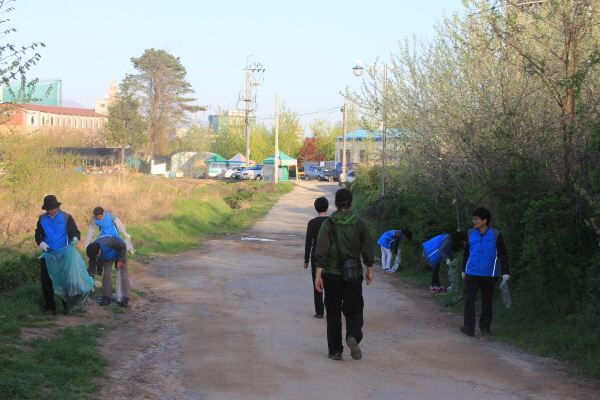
{"x":17,"y":269}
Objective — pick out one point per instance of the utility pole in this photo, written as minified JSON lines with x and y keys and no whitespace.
{"x":344,"y":175}
{"x":247,"y":100}
{"x":276,"y":160}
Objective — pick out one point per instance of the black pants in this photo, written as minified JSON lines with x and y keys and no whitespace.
{"x":318,"y":296}
{"x":435,"y":275}
{"x":342,"y":297}
{"x":47,"y":289}
{"x":472,"y":285}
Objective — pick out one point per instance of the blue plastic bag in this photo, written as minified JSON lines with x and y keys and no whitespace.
{"x":68,"y":271}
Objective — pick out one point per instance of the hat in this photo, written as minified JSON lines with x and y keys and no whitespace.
{"x":50,"y":202}
{"x":343,"y":198}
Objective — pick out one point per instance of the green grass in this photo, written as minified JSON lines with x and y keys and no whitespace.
{"x":61,"y":367}
{"x":193,"y":219}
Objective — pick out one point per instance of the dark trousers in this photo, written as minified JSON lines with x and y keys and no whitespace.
{"x":473,"y":284}
{"x":47,"y":289}
{"x":318,"y":296}
{"x":342,"y":297}
{"x":435,"y":275}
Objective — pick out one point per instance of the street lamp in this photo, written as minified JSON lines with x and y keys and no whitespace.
{"x":358,"y":70}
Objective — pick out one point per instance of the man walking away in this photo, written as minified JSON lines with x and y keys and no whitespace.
{"x":343,"y":296}
{"x":55,"y":229}
{"x":310,"y":245}
{"x":485,"y":256}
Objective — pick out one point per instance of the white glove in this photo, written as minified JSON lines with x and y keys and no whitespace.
{"x":448,"y":262}
{"x":75,"y":240}
{"x":506,"y":277}
{"x":463,"y":275}
{"x":43,"y":246}
{"x":127,"y":236}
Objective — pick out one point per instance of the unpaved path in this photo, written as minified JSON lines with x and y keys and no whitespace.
{"x":234,"y":320}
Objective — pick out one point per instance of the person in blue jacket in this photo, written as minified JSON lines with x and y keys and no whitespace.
{"x":102,"y":254}
{"x":389,"y":243}
{"x":485,"y":259}
{"x":107,"y":223}
{"x":55,"y":229}
{"x":442,"y":248}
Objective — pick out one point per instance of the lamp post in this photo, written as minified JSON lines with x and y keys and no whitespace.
{"x":344,"y":174}
{"x":358,"y":70}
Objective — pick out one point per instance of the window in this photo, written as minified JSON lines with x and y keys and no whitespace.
{"x":102,"y":105}
{"x":363,"y":156}
{"x":51,"y":121}
{"x":57,"y":121}
{"x":69,"y":122}
{"x":32,"y":120}
{"x":43,"y":121}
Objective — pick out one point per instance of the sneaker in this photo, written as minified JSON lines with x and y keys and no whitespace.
{"x":125,"y":302}
{"x":335,"y":356}
{"x":105,"y":301}
{"x":354,"y":349}
{"x":318,"y":315}
{"x":442,"y":290}
{"x":386,"y":271}
{"x":486,"y":331}
{"x":434,"y":289}
{"x":467,"y":331}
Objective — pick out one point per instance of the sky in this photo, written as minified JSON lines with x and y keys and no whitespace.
{"x":308,"y":48}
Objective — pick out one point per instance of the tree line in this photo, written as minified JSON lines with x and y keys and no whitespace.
{"x":500,"y":109}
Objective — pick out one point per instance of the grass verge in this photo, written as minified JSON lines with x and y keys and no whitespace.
{"x":39,"y":359}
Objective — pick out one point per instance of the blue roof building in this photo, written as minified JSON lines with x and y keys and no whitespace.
{"x":364,"y":146}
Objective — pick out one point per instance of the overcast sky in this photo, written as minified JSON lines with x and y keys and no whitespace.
{"x":307,"y":47}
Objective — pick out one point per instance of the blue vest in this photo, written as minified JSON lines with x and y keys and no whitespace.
{"x":483,"y":255}
{"x":432,"y":249}
{"x":55,"y":229}
{"x":387,"y":239}
{"x":108,"y":253}
{"x":107,"y":225}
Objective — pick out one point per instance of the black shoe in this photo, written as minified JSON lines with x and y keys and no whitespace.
{"x":355,"y":352}
{"x":125,"y":302}
{"x":335,"y":356}
{"x":49,"y":312}
{"x":105,"y":301}
{"x":318,"y":315}
{"x":467,"y":331}
{"x":486,"y":331}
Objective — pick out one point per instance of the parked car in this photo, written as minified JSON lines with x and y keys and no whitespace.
{"x":237,"y":174}
{"x":351,"y":176}
{"x":313,"y":172}
{"x":229,"y":171}
{"x":254,"y":172}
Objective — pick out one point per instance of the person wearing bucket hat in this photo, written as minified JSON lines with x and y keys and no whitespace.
{"x":55,"y":229}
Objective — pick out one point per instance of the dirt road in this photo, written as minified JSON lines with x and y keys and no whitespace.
{"x":234,"y":320}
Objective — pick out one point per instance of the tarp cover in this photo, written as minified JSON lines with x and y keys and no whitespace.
{"x":69,"y":275}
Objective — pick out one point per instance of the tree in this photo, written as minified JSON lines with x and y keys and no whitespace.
{"x":125,"y":126}
{"x":290,"y":141}
{"x":310,"y":150}
{"x":14,"y":68}
{"x":161,"y":88}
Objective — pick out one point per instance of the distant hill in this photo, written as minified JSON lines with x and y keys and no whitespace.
{"x":72,"y":103}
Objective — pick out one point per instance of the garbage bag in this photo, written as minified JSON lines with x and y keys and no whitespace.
{"x":398,"y":261}
{"x":505,"y":291}
{"x":68,"y":271}
{"x":453,"y":277}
